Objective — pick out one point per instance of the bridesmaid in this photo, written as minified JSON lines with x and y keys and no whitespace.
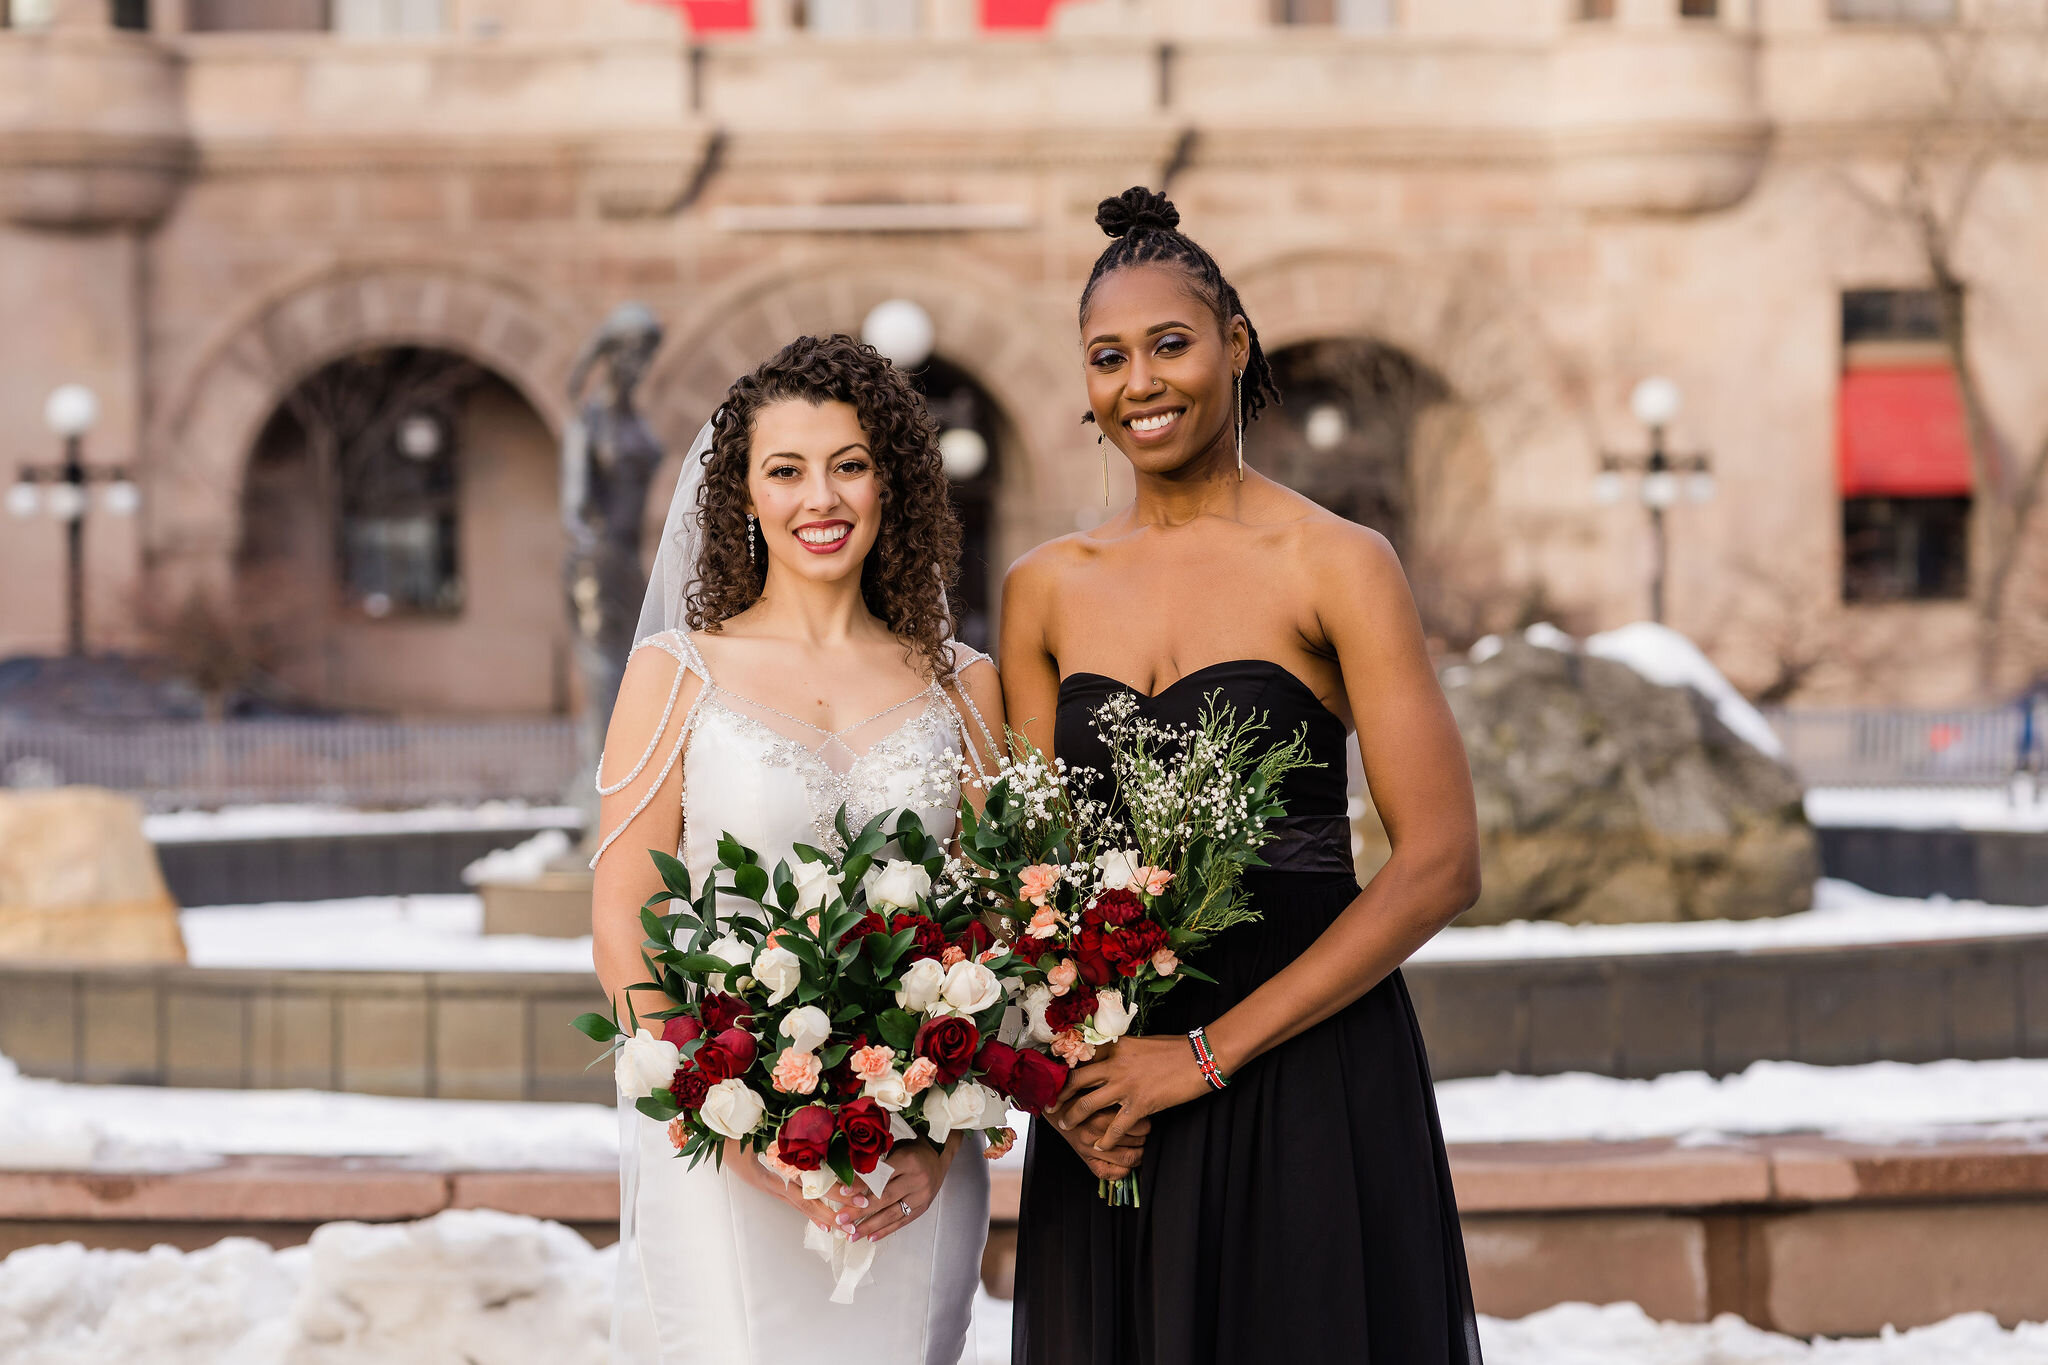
{"x":1302,"y":1208}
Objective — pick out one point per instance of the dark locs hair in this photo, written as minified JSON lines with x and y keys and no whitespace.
{"x":917,"y":552}
{"x":1146,"y":229}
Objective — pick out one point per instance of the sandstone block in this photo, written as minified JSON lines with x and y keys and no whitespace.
{"x":78,"y":881}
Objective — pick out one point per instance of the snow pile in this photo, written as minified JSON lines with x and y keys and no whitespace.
{"x":54,"y":1125}
{"x":523,"y":862}
{"x":305,"y":821}
{"x":1987,"y":808}
{"x":1843,"y":914}
{"x":1622,"y":1334}
{"x":1876,"y":1102}
{"x":466,"y":1285}
{"x":371,"y":933}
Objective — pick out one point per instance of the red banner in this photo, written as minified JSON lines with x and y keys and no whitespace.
{"x":717,"y":16}
{"x":1016,"y":14}
{"x":1901,"y":433}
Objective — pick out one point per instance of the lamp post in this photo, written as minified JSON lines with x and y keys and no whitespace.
{"x":61,"y":491}
{"x":1663,"y":476}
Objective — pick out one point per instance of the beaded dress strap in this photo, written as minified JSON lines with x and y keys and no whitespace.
{"x":677,"y":646}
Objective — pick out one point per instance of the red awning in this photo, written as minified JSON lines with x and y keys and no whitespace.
{"x":1016,"y":14}
{"x":1901,"y":433}
{"x":717,"y":16}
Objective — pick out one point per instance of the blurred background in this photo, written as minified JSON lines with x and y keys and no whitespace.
{"x":1687,"y":350}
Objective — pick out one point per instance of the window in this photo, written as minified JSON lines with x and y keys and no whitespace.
{"x":1902,"y":452}
{"x":132,"y":14}
{"x":1892,"y":11}
{"x":398,"y":520}
{"x":272,"y":16}
{"x":387,"y":18}
{"x":1355,"y":16}
{"x":28,"y":13}
{"x":861,"y":18}
{"x":1699,"y":9}
{"x":1596,"y":9}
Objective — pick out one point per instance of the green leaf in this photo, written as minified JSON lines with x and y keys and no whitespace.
{"x":750,"y":881}
{"x":812,"y":855}
{"x":599,"y":1028}
{"x":674,"y":875}
{"x":848,"y":1013}
{"x":834,"y":1054}
{"x":839,"y":824}
{"x":785,"y":889}
{"x":660,"y":1108}
{"x":843,"y":1166}
{"x":657,"y":932}
{"x":898,"y":1028}
{"x":1193,"y":973}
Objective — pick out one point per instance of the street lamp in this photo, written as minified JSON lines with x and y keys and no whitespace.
{"x":901,"y":330}
{"x":1663,"y":477}
{"x":60,"y":491}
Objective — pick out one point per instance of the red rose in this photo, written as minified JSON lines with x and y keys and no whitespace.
{"x":950,"y":1042}
{"x":870,"y":923}
{"x":689,"y":1087}
{"x":866,"y":1125}
{"x":996,"y":1063}
{"x":1096,"y":969}
{"x":1037,"y":1081}
{"x":975,"y":939}
{"x":1070,"y":1009}
{"x":722,"y":1012}
{"x":1131,"y":949}
{"x":805,"y":1136}
{"x":727,"y":1055}
{"x":681,"y":1029}
{"x":930,"y":940}
{"x":1117,"y":908}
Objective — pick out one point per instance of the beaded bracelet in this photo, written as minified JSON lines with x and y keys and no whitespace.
{"x":1198,"y":1039}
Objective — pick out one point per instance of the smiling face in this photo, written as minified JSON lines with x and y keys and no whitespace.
{"x":811,"y":479}
{"x":1161,"y":367}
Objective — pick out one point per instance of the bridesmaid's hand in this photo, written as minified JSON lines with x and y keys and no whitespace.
{"x":1137,"y":1078}
{"x":920,"y":1169}
{"x":1113,"y":1163}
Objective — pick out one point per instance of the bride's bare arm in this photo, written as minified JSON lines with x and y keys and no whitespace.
{"x":626,"y":876}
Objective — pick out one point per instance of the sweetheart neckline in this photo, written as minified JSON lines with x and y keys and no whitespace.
{"x":1282,"y":669}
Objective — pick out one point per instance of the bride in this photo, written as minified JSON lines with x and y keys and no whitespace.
{"x":793,"y":657}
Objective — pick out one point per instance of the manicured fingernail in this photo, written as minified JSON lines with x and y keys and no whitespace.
{"x":846,"y":1218}
{"x":859,"y":1202}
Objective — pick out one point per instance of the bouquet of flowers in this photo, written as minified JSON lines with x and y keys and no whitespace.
{"x":853,"y":1002}
{"x":1107,"y":898}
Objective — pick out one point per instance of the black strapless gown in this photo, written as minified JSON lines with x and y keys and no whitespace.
{"x":1305,"y":1213}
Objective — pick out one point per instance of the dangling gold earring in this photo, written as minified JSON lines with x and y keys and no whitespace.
{"x":1239,"y":390}
{"x":1105,"y":469}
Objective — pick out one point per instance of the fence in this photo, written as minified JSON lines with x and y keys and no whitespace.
{"x":1871,"y":748}
{"x":176,"y":765}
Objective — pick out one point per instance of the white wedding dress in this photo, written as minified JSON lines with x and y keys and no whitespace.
{"x":713,"y":1271}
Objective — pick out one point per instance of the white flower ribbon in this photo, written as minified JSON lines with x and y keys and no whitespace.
{"x":851,"y":1262}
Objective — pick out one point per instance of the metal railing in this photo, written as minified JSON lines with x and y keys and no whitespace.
{"x":1877,"y":748}
{"x":174,"y":765}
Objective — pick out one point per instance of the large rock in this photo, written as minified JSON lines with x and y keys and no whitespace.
{"x":79,"y":882}
{"x":1605,"y":797}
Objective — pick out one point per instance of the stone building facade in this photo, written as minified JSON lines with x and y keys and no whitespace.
{"x":1465,"y":228}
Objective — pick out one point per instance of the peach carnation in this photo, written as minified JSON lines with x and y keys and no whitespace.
{"x":796,"y":1073}
{"x":1044,"y":924}
{"x":920,"y":1074}
{"x":1154,"y":879}
{"x":872,"y":1063}
{"x":1164,"y":962}
{"x":1063,"y":975}
{"x":1005,"y":1140}
{"x":1071,"y":1048}
{"x":678,"y":1132}
{"x":954,"y":953}
{"x":1038,"y":881}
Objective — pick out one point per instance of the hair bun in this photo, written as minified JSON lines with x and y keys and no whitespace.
{"x":1136,"y":209}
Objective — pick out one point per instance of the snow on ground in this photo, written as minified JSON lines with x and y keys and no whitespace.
{"x":1876,"y":1102}
{"x":499,"y":1289}
{"x":1843,"y":914}
{"x":54,"y":1125}
{"x":307,"y":821}
{"x":371,"y":933}
{"x":1985,"y":808}
{"x":445,"y":934}
{"x":523,"y":862}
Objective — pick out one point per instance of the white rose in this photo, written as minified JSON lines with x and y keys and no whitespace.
{"x":1112,"y":1018}
{"x":806,"y":1027}
{"x":730,"y":1109}
{"x":970,"y":1104}
{"x":727,"y":949}
{"x":779,"y":970}
{"x":1119,"y":869}
{"x":646,"y":1064}
{"x":921,"y":985}
{"x":1036,"y":999}
{"x":898,"y":884}
{"x":970,"y":987}
{"x":889,"y":1092}
{"x":814,"y":885}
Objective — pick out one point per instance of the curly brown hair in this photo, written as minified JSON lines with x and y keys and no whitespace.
{"x":916,"y":556}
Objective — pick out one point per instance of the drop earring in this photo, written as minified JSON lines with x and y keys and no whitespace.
{"x":1105,"y":470}
{"x":753,"y":554}
{"x":1238,"y":389}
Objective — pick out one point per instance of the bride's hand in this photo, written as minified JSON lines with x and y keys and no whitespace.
{"x":749,"y":1169}
{"x":1137,"y":1078}
{"x":920,"y":1169}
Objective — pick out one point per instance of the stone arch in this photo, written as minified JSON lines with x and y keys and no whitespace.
{"x":201,"y":444}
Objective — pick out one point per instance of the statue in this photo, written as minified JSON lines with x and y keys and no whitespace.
{"x":609,"y":458}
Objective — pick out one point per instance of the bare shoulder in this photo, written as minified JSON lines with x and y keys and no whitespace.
{"x":1039,"y":570}
{"x":654,"y":673}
